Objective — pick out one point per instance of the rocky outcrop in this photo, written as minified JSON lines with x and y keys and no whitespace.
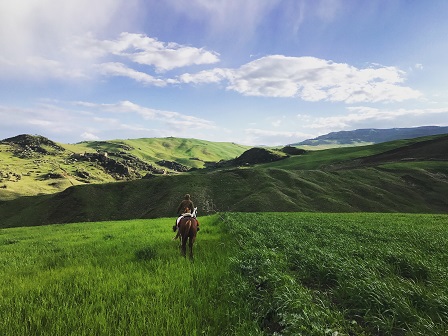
{"x":173,"y":165}
{"x":250,"y":157}
{"x":119,"y":165}
{"x":26,"y":146}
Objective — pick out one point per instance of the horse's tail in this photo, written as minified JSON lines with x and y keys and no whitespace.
{"x":188,"y":225}
{"x":187,"y":228}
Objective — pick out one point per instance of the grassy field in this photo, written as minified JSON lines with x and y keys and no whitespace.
{"x":357,"y":274}
{"x":253,"y":274}
{"x":114,"y":278}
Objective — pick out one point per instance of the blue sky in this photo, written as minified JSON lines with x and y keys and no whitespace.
{"x":254,"y":72}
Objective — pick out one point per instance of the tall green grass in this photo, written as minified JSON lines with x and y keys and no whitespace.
{"x":253,"y":274}
{"x":343,"y":274}
{"x":115,"y":278}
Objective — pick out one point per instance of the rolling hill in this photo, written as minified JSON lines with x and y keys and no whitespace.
{"x":34,"y":165}
{"x":331,"y":180}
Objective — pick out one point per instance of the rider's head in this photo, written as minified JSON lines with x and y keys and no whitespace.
{"x":187,"y":196}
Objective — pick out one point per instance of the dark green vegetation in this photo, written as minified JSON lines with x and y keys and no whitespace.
{"x":400,"y":176}
{"x":253,"y":274}
{"x":354,"y":274}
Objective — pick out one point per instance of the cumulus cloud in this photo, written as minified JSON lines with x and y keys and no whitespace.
{"x":164,"y":56}
{"x":314,"y":79}
{"x":145,"y":50}
{"x":51,"y":39}
{"x":311,"y":79}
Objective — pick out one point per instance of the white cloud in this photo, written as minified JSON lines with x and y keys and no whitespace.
{"x":87,"y":120}
{"x":164,"y":56}
{"x":89,"y":136}
{"x":51,"y":39}
{"x":36,"y":32}
{"x":120,"y":69}
{"x":206,"y":76}
{"x":36,"y":120}
{"x":175,"y":120}
{"x":311,"y":79}
{"x":314,"y":79}
{"x":145,"y":50}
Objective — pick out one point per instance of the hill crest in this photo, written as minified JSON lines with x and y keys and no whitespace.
{"x":373,"y":135}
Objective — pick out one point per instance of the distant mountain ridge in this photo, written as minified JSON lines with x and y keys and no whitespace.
{"x":373,"y":135}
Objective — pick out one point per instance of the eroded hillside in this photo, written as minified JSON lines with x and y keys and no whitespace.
{"x":33,"y":165}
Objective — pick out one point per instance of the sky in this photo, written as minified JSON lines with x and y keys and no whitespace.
{"x":252,"y":72}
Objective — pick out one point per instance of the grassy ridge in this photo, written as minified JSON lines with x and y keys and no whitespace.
{"x":311,"y":182}
{"x":254,"y":274}
{"x":190,"y":152}
{"x":408,"y":189}
{"x":326,"y":158}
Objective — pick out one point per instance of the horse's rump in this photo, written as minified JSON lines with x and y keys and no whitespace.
{"x":188,"y":225}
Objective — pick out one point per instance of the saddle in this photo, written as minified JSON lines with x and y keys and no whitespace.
{"x":190,"y":214}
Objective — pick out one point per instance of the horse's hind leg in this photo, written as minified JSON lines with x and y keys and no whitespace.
{"x":190,"y":244}
{"x":184,"y":246}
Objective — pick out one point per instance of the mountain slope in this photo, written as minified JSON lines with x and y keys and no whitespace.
{"x":333,"y":182}
{"x":246,"y":190}
{"x":33,"y":165}
{"x":372,"y":135}
{"x":434,"y":149}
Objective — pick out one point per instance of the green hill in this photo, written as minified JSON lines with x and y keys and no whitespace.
{"x":34,"y":165}
{"x":323,"y":181}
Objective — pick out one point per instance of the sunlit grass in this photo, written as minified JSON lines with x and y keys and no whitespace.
{"x":113,"y":278}
{"x":253,"y":274}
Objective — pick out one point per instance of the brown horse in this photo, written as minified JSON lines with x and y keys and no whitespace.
{"x":188,"y":227}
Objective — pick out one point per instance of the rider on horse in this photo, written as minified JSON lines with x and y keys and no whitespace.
{"x":185,"y":208}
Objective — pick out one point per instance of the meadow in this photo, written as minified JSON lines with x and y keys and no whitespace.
{"x":253,"y":274}
{"x":113,"y":278}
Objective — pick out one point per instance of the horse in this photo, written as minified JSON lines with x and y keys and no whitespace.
{"x":188,"y":228}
